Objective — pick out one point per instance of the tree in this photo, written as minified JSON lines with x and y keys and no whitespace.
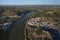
{"x":39,"y":30}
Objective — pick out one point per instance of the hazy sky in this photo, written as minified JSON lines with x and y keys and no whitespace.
{"x":29,"y":2}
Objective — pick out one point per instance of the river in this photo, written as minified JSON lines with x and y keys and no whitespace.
{"x":17,"y":32}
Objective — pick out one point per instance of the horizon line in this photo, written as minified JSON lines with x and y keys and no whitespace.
{"x":33,"y":4}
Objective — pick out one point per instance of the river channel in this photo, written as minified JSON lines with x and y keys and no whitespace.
{"x":17,"y":30}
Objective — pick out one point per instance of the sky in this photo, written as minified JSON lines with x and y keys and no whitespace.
{"x":29,"y":2}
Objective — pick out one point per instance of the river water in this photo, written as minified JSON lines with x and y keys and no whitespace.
{"x":17,"y":32}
